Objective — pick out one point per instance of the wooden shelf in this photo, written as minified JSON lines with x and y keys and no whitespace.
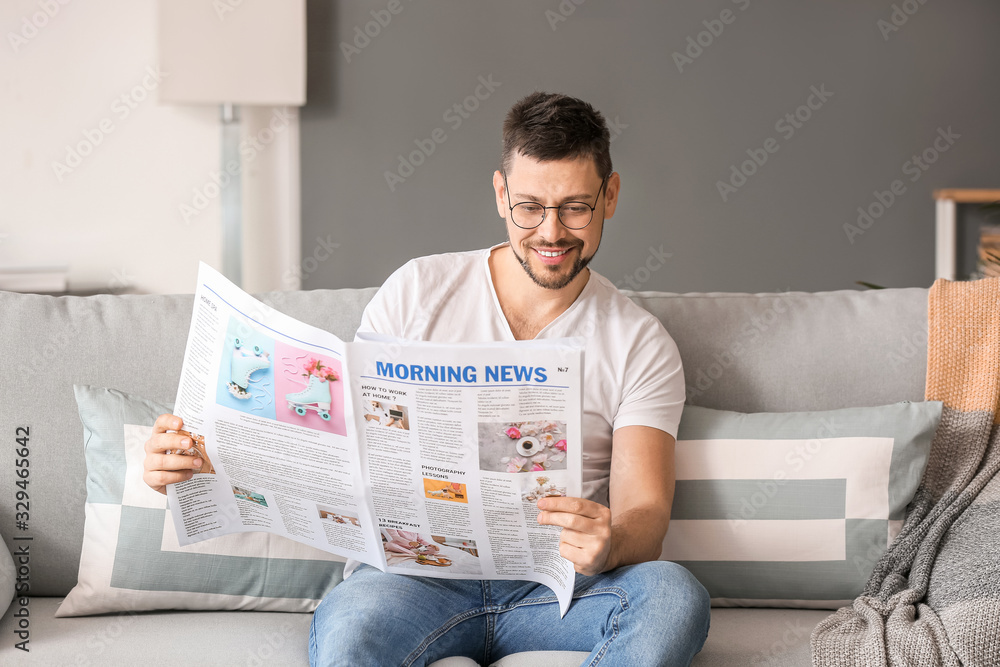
{"x":946,"y":223}
{"x":968,"y":196}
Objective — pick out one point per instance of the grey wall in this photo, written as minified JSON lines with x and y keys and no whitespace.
{"x":679,"y":132}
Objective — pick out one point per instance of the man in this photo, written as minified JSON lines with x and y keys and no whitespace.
{"x":555,"y":189}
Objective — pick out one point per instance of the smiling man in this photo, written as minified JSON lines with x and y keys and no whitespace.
{"x":555,"y":189}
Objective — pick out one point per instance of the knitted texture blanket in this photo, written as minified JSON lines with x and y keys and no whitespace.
{"x":934,"y":597}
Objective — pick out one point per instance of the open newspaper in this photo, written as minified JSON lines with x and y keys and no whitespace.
{"x":413,"y":457}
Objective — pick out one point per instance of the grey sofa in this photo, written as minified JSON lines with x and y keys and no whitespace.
{"x":750,"y":353}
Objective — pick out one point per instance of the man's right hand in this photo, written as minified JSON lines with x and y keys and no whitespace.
{"x":160,"y":468}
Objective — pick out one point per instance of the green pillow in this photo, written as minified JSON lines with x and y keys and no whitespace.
{"x":793,"y":509}
{"x":131,"y":560}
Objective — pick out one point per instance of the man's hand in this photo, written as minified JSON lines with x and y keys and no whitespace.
{"x":585,"y":540}
{"x":597,"y":539}
{"x":160,"y":468}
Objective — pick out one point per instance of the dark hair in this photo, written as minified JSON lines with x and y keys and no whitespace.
{"x":550,"y":126}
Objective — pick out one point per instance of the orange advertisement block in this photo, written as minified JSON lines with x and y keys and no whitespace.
{"x":442,"y":489}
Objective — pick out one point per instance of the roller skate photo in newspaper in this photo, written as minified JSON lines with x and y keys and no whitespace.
{"x":316,"y":395}
{"x":246,"y":361}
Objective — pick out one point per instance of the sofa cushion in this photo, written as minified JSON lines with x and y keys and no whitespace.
{"x":793,"y":509}
{"x":131,"y":560}
{"x":8,"y":575}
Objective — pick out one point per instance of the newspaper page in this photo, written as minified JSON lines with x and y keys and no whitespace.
{"x":265,"y":399}
{"x":459,"y":443}
{"x":416,"y":458}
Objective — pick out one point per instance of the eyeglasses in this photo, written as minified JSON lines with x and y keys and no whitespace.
{"x":572,"y":214}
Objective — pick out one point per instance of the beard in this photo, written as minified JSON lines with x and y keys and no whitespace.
{"x":551,"y":277}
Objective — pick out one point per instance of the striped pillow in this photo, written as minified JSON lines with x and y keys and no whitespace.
{"x":131,"y":560}
{"x":793,"y":509}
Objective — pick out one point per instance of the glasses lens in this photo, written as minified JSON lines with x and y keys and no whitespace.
{"x":575,"y":215}
{"x":527,"y":214}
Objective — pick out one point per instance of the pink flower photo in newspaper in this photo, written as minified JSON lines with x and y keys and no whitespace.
{"x":516,"y":447}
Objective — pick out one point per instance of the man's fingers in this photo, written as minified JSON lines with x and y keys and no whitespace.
{"x":162,"y":466}
{"x":564,"y":520}
{"x":576,"y":529}
{"x":574,"y":513}
{"x":570,"y":552}
{"x":576,"y":539}
{"x":171,"y":462}
{"x":167,"y":422}
{"x":162,"y":442}
{"x":180,"y":462}
{"x":579,"y":506}
{"x":158,"y":479}
{"x":584,"y":561}
{"x":586,"y":531}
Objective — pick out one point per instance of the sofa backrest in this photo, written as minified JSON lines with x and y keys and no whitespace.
{"x":791,"y":351}
{"x":770,"y":352}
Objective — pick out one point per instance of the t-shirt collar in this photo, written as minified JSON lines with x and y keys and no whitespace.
{"x":496,"y":300}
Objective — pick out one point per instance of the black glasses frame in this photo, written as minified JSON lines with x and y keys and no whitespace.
{"x":557,"y":208}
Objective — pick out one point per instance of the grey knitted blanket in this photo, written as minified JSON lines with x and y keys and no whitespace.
{"x":934,"y":597}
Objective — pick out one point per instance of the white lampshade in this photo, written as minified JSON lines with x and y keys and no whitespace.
{"x":244,"y":52}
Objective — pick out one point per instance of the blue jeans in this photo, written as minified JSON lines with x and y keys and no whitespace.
{"x":651,"y":614}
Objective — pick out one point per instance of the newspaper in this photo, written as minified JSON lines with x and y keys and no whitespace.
{"x":413,"y":457}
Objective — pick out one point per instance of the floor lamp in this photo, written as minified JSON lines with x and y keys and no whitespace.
{"x":231,"y":54}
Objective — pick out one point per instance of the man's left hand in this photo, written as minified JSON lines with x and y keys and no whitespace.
{"x":585,"y":540}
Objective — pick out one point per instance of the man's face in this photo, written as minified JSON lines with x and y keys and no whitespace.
{"x":551,"y":254}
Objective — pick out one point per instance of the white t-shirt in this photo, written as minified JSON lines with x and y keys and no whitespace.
{"x":632,"y":369}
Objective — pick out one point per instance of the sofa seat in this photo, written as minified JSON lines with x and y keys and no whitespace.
{"x":739,"y":637}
